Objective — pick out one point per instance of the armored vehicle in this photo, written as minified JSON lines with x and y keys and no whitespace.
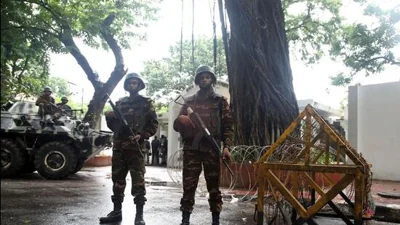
{"x":55,"y":151}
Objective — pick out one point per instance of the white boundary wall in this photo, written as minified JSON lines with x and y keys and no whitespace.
{"x":374,"y":127}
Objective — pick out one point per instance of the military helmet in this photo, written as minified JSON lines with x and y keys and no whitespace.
{"x":204,"y":69}
{"x":134,"y":75}
{"x":47,"y":88}
{"x":64,"y":98}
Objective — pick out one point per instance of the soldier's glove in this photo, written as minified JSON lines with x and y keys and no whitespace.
{"x":186,"y":126}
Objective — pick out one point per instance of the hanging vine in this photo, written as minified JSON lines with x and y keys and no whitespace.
{"x":260,"y":78}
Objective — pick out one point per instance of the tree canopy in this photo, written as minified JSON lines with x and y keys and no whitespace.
{"x":24,"y":57}
{"x":314,"y":28}
{"x":368,"y":48}
{"x":164,"y":76}
{"x":56,"y":24}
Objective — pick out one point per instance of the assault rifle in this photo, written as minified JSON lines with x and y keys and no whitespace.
{"x":124,"y":123}
{"x":205,"y":132}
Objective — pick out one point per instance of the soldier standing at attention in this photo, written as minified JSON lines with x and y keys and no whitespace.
{"x":141,"y":117}
{"x":215,"y":112}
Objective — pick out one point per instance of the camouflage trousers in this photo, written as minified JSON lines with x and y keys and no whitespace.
{"x":127,"y":158}
{"x":193,"y":161}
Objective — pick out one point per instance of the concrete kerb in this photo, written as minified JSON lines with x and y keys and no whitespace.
{"x":387,"y":213}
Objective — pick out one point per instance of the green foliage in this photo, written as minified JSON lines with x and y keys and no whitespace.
{"x":160,"y":108}
{"x":312,"y":29}
{"x":53,"y":20}
{"x":319,"y":30}
{"x":164,"y":77}
{"x":368,"y":48}
{"x":59,"y":86}
{"x":31,"y":29}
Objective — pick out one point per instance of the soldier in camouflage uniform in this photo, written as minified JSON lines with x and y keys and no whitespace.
{"x":215,"y":112}
{"x":141,"y":117}
{"x":63,"y":105}
{"x":46,"y":105}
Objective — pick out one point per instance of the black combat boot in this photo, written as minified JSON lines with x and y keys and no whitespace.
{"x":113,"y":216}
{"x":139,"y":215}
{"x":185,"y":218}
{"x":215,"y":218}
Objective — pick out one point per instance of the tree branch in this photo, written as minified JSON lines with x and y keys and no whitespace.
{"x":385,"y":58}
{"x":69,"y":43}
{"x":13,"y":68}
{"x":306,"y":20}
{"x":118,"y":72}
{"x":45,"y":5}
{"x":32,"y":28}
{"x":23,"y":69}
{"x":296,"y":27}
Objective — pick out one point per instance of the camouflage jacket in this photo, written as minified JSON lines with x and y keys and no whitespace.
{"x":64,"y":107}
{"x":214,"y":110}
{"x":45,"y":100}
{"x":140,"y":115}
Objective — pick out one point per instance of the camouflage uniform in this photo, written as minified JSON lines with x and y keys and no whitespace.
{"x":47,"y":107}
{"x":141,"y":117}
{"x":215,"y":112}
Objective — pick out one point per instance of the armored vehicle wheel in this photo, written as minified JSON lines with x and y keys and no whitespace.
{"x":55,"y":160}
{"x":79,"y":166}
{"x":12,"y":158}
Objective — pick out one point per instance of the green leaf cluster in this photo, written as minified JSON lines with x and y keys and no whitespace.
{"x":168,"y":75}
{"x":368,"y":48}
{"x":31,"y":29}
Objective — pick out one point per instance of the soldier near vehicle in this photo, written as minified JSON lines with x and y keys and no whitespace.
{"x":142,"y":120}
{"x":46,"y":105}
{"x":63,"y":105}
{"x":197,"y":152}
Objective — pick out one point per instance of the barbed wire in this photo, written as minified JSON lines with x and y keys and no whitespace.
{"x":242,"y":187}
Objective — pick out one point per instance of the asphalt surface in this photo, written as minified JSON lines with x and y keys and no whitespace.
{"x":85,"y":196}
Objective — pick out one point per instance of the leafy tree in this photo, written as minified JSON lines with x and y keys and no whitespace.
{"x":307,"y":31}
{"x":320,"y":30}
{"x":59,"y":86}
{"x":106,"y":24}
{"x":368,"y":49}
{"x":258,"y":55}
{"x":164,"y":76}
{"x":260,"y":79}
{"x":24,"y":55}
{"x":314,"y":28}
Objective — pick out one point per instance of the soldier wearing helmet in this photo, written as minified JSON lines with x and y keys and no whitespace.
{"x":63,"y":105}
{"x":142,"y":119}
{"x":46,"y":104}
{"x":215,"y":112}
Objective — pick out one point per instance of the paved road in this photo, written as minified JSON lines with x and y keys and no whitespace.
{"x":84,"y":197}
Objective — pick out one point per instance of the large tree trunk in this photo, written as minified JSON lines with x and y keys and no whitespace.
{"x":99,"y":99}
{"x":96,"y":105}
{"x":260,"y":78}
